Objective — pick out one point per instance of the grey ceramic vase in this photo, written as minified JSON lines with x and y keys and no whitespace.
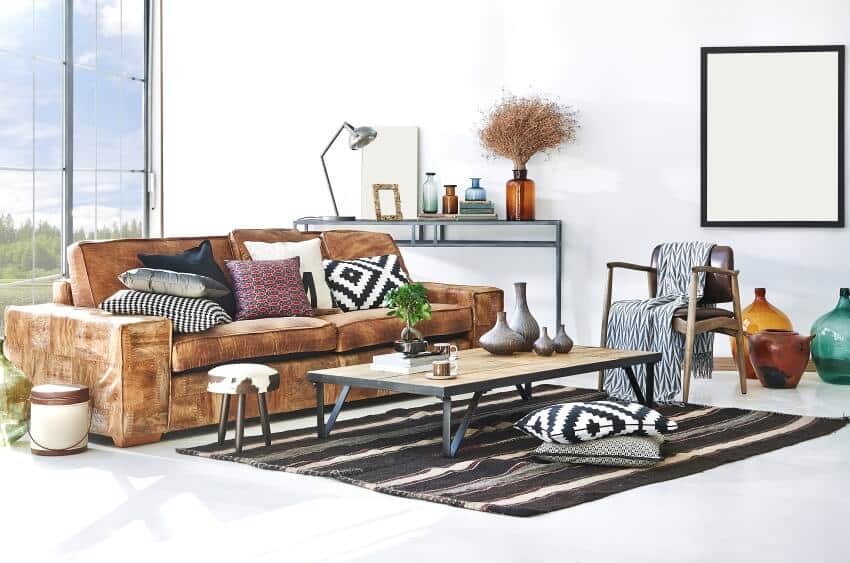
{"x":563,"y":343}
{"x":521,"y":320}
{"x":500,"y":339}
{"x":544,"y":346}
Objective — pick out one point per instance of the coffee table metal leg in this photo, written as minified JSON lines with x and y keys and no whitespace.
{"x":222,"y":421}
{"x":240,"y":422}
{"x":634,"y":383}
{"x":452,"y":445}
{"x":326,"y":427}
{"x":528,"y":389}
{"x":320,"y":409}
{"x":524,"y":390}
{"x":264,"y":418}
{"x":447,"y":426}
{"x":650,"y":385}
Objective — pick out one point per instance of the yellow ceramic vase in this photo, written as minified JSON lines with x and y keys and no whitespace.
{"x":759,"y":315}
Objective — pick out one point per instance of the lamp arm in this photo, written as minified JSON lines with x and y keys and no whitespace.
{"x":345,"y":125}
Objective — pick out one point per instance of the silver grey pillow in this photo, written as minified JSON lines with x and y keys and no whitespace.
{"x":167,"y":282}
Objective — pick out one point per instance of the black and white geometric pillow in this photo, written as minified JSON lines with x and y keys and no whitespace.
{"x":567,"y":423}
{"x":187,"y":314}
{"x":362,"y":283}
{"x":617,"y":451}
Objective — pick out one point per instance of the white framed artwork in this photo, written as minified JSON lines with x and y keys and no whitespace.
{"x":392,"y":158}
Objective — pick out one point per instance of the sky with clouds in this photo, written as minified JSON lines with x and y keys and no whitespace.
{"x":108,"y":110}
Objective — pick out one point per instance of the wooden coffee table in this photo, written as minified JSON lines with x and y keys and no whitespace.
{"x":479,"y":372}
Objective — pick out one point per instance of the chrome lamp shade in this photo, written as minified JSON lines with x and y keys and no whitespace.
{"x":358,"y":138}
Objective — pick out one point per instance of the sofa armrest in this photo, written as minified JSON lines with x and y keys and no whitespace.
{"x":124,"y":360}
{"x":62,"y":292}
{"x":484,"y":301}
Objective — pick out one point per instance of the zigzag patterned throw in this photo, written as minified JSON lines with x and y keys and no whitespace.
{"x":647,"y":324}
{"x":362,"y":283}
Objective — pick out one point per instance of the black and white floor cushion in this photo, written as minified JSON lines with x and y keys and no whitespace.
{"x":617,"y":451}
{"x":187,"y":314}
{"x":362,"y":283}
{"x":566,"y":423}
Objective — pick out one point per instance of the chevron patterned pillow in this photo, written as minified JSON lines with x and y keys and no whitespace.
{"x":363,"y":283}
{"x":567,"y":423}
{"x":187,"y":314}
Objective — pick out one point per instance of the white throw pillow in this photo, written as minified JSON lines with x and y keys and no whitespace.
{"x":310,"y":253}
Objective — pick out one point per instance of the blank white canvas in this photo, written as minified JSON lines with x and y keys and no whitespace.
{"x":772,"y":136}
{"x":392,"y":158}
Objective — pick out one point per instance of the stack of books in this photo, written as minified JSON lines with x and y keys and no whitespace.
{"x":477,"y":210}
{"x":399,"y":363}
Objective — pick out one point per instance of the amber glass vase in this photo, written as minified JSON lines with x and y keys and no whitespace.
{"x":450,"y":200}
{"x":520,"y":197}
{"x":758,"y":316}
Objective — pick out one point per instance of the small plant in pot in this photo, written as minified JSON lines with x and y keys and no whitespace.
{"x":409,"y":303}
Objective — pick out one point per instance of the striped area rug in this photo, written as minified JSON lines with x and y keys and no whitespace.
{"x":398,"y":453}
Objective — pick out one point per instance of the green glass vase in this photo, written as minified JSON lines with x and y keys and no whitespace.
{"x":831,"y":346}
{"x":14,"y":401}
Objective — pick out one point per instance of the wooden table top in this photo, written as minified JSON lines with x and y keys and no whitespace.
{"x":480,"y":370}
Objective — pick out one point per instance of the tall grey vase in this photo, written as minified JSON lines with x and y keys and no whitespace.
{"x":521,"y":320}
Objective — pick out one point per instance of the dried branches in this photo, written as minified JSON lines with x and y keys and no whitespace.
{"x":519,"y":127}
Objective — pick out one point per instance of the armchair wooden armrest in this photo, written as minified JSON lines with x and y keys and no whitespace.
{"x":630,"y":266}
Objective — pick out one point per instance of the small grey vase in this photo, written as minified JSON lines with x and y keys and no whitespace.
{"x":563,"y":343}
{"x":521,"y":320}
{"x":500,"y":339}
{"x":544,"y":346}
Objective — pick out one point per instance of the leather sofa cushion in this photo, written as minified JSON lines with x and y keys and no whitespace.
{"x":345,"y":245}
{"x":257,"y":338}
{"x":239,"y":236}
{"x":361,"y":329}
{"x":95,"y":265}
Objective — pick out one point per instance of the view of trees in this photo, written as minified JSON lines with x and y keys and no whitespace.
{"x":27,"y":251}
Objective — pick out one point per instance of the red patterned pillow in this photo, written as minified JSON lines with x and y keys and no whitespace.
{"x":268,"y":288}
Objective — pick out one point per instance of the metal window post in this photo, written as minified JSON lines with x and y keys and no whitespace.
{"x":68,"y":179}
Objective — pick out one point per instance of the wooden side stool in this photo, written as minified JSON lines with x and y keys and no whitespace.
{"x":241,"y":380}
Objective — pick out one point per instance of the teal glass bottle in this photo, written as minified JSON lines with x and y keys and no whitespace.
{"x":831,"y":346}
{"x":430,"y":194}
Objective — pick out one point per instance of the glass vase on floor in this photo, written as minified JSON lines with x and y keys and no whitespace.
{"x":831,"y":346}
{"x":14,"y":401}
{"x":520,"y":197}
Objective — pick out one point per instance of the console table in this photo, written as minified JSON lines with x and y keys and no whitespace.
{"x":420,"y":229}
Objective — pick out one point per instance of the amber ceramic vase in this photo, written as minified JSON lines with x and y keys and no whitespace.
{"x":757,"y":316}
{"x":779,"y":357}
{"x":520,"y":197}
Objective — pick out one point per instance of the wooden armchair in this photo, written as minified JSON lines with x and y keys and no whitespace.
{"x":721,"y":286}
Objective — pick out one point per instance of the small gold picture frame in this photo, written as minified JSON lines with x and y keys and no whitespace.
{"x":376,"y":194}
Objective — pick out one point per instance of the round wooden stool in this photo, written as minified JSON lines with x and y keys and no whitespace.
{"x":240,"y":380}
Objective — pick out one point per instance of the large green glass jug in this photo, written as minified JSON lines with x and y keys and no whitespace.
{"x":14,"y":401}
{"x":831,"y":346}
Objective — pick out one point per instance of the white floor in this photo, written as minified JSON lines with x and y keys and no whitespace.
{"x":110,"y":504}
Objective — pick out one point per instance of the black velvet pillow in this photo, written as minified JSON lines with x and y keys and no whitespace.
{"x":198,"y":260}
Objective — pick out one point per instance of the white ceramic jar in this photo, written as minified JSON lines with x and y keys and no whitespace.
{"x":59,"y":419}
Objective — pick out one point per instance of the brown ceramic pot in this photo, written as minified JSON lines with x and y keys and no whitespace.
{"x":759,"y":315}
{"x":779,"y":357}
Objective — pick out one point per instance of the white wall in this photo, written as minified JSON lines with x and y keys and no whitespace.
{"x":254,"y":89}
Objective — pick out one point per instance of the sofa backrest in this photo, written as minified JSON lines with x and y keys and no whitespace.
{"x":239,"y":236}
{"x":95,"y":265}
{"x":345,"y":245}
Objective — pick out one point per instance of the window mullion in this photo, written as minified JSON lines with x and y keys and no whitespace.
{"x":68,"y":142}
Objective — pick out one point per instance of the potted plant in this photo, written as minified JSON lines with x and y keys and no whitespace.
{"x":518,"y":128}
{"x":409,"y":303}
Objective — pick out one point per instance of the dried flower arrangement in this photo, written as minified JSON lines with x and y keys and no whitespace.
{"x":517,"y":128}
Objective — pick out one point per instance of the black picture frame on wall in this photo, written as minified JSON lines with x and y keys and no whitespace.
{"x":728,"y":199}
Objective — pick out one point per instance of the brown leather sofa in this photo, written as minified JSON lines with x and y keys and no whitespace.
{"x":146,"y":381}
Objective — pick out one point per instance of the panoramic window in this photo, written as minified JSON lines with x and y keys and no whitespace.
{"x":84,"y":137}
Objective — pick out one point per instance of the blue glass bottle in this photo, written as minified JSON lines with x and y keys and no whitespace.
{"x":475,"y":192}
